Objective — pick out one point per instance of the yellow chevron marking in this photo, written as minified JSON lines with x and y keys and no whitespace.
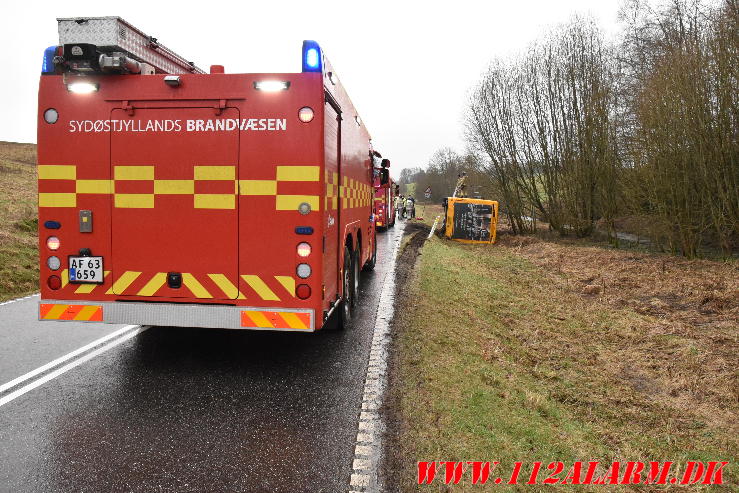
{"x":120,"y":285}
{"x":174,"y":187}
{"x":291,"y":202}
{"x":133,"y":172}
{"x":214,"y":201}
{"x":86,"y":312}
{"x":298,"y":173}
{"x":258,"y":187}
{"x":288,"y":283}
{"x":227,"y":286}
{"x":57,"y":172}
{"x":134,"y":200}
{"x":151,"y":287}
{"x":259,"y":319}
{"x":292,"y":320}
{"x":65,"y":277}
{"x":88,"y":288}
{"x":55,"y":312}
{"x":57,"y":200}
{"x":215,"y":172}
{"x":194,"y":286}
{"x":94,"y":186}
{"x":256,"y":283}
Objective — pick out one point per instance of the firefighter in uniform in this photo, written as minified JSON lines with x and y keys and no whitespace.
{"x":410,"y":207}
{"x":461,"y":189}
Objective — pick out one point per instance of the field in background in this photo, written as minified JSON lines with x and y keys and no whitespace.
{"x":563,"y":350}
{"x":18,"y":220}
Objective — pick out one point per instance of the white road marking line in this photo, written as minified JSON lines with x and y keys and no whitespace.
{"x":19,"y":299}
{"x":62,"y":359}
{"x":368,"y":446}
{"x":360,"y":480}
{"x":59,"y":371}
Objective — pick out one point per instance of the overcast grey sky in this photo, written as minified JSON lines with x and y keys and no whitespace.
{"x":407,"y":65}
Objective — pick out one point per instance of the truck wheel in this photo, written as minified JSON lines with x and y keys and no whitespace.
{"x":356,"y":261}
{"x":347,"y":301}
{"x":370,"y":265}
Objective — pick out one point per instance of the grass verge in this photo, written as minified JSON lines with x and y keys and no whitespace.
{"x":545,"y":351}
{"x":18,"y":220}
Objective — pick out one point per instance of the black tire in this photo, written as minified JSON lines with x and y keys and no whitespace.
{"x":370,"y":265}
{"x":346,"y":310}
{"x":356,"y":263}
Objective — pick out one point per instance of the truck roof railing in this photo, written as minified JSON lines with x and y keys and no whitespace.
{"x":110,"y":44}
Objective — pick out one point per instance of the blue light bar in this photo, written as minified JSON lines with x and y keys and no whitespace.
{"x":52,"y":225}
{"x":312,"y":60}
{"x":47,"y":67}
{"x":304,"y":230}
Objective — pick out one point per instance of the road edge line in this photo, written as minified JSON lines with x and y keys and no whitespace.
{"x":19,"y":299}
{"x":368,"y":444}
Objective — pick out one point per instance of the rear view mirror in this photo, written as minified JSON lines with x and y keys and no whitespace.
{"x":384,"y":176}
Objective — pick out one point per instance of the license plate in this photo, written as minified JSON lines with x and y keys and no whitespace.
{"x":86,"y":270}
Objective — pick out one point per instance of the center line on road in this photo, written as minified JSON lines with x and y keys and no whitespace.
{"x":37,"y":383}
{"x":62,"y":359}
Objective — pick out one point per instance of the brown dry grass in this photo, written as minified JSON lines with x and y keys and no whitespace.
{"x":18,"y":220}
{"x":686,"y":356}
{"x":18,"y":152}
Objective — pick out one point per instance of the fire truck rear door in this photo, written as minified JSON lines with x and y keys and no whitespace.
{"x":332,"y":240}
{"x":175,"y":205}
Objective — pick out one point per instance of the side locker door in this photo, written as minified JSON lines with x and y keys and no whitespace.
{"x":332,"y":211}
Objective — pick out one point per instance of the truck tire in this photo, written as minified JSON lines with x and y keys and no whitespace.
{"x":357,"y":264}
{"x":347,"y":301}
{"x":370,"y":265}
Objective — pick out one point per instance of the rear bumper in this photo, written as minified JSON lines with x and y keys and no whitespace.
{"x":180,"y":315}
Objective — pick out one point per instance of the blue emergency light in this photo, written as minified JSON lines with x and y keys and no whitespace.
{"x":47,"y":67}
{"x":311,"y":57}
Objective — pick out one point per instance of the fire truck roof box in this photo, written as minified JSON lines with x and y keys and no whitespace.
{"x":113,"y":34}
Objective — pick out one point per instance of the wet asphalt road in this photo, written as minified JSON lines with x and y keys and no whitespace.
{"x":188,"y":409}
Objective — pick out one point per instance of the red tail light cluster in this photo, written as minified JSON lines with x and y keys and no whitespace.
{"x":302,"y":291}
{"x":303,"y":271}
{"x":54,"y":282}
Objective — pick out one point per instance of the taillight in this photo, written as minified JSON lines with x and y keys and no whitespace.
{"x":303,"y":271}
{"x":304,"y":249}
{"x":302,"y":291}
{"x":54,"y":282}
{"x":53,"y":263}
{"x":52,"y":242}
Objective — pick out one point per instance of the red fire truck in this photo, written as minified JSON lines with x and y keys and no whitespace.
{"x":168,"y":196}
{"x":385,"y":192}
